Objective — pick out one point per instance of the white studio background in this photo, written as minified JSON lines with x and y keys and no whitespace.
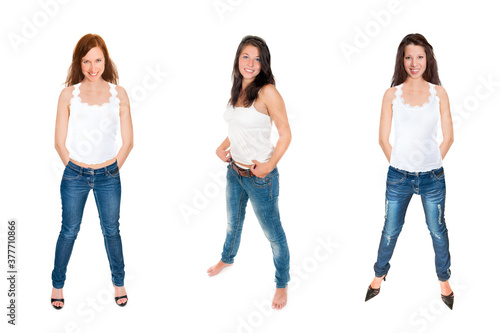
{"x":175,"y":59}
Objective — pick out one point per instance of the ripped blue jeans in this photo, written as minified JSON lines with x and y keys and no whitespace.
{"x":401,"y":185}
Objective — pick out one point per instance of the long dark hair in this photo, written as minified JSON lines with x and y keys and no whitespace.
{"x":264,"y":77}
{"x":431,"y":72}
{"x":84,"y":45}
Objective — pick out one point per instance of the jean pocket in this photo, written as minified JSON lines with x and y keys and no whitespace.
{"x":114,"y":173}
{"x":261,"y":182}
{"x":439,"y":174}
{"x":395,"y":178}
{"x":70,"y":174}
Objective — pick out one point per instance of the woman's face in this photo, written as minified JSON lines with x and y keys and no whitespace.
{"x":93,"y":64}
{"x":415,"y":61}
{"x":249,"y":62}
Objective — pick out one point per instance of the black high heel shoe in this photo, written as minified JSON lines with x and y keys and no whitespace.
{"x":120,"y":297}
{"x":372,"y":292}
{"x":448,"y":300}
{"x":52,"y":300}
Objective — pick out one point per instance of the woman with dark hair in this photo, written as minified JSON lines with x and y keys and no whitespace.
{"x":252,"y":173}
{"x":417,"y":103}
{"x":92,"y":109}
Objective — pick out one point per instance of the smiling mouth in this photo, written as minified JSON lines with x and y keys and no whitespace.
{"x":93,"y":74}
{"x":249,"y":70}
{"x":414,"y":70}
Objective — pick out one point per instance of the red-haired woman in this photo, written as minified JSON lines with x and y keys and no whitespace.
{"x":417,"y":104}
{"x":92,"y":109}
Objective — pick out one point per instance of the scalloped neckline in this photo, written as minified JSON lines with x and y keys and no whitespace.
{"x":79,"y":99}
{"x":417,"y":107}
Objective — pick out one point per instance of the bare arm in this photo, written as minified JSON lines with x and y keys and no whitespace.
{"x":277,"y":111}
{"x":446,"y":121}
{"x":222,"y":151}
{"x":62,"y":118}
{"x":125,"y":127}
{"x":386,"y":123}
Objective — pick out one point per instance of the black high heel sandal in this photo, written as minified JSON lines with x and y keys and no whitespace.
{"x":52,"y":300}
{"x":448,"y":300}
{"x":57,"y":300}
{"x":372,"y":292}
{"x":120,"y":297}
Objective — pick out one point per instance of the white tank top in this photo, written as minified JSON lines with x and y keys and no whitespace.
{"x":93,"y":129}
{"x":249,"y":134}
{"x":415,"y":133}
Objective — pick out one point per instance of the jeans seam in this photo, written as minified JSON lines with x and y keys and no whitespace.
{"x":238,"y":218}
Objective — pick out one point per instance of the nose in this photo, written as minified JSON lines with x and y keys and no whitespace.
{"x":250,"y":62}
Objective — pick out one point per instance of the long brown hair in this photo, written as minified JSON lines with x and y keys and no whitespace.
{"x":264,"y":77}
{"x":84,"y":45}
{"x":431,"y":72}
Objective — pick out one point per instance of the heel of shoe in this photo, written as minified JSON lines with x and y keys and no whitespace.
{"x":448,"y":300}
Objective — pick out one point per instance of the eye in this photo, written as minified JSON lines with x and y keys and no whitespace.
{"x":257,"y":59}
{"x":99,"y":60}
{"x":85,"y":61}
{"x":421,"y":57}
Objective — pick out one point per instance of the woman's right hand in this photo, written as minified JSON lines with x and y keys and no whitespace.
{"x":224,"y":155}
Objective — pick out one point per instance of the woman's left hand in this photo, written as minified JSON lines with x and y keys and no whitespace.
{"x":261,"y":170}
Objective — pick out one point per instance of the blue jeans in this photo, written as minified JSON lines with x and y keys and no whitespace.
{"x":75,"y":186}
{"x":263,"y":193}
{"x":401,"y":185}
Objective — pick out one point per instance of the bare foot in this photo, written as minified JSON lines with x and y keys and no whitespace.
{"x":214,"y":270}
{"x":445,"y":288}
{"x":280,"y":298}
{"x":120,"y":291}
{"x":377,"y":281}
{"x":58,"y":294}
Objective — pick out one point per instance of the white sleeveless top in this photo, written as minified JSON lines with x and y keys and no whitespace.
{"x":93,"y":128}
{"x":415,"y":141}
{"x":249,"y":134}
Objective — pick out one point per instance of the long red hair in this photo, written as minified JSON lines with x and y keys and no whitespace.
{"x":84,"y":45}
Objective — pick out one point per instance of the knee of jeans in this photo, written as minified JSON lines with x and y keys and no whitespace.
{"x":110,"y":231}
{"x":277,"y":239}
{"x":438,"y":233}
{"x":69,"y":233}
{"x":391,"y":231}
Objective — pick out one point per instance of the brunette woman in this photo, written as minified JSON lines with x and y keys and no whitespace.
{"x":417,"y":104}
{"x":252,"y":173}
{"x":92,"y":109}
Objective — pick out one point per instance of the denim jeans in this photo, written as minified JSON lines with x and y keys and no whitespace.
{"x":401,"y":185}
{"x":75,"y":186}
{"x":263,"y":194}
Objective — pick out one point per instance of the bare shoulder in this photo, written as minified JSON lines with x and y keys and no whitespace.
{"x":440,"y":91}
{"x":269,"y":92}
{"x":390,"y":94}
{"x":66,"y":95}
{"x":122,"y":94}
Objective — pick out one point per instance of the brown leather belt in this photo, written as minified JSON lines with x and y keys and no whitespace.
{"x":240,"y":171}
